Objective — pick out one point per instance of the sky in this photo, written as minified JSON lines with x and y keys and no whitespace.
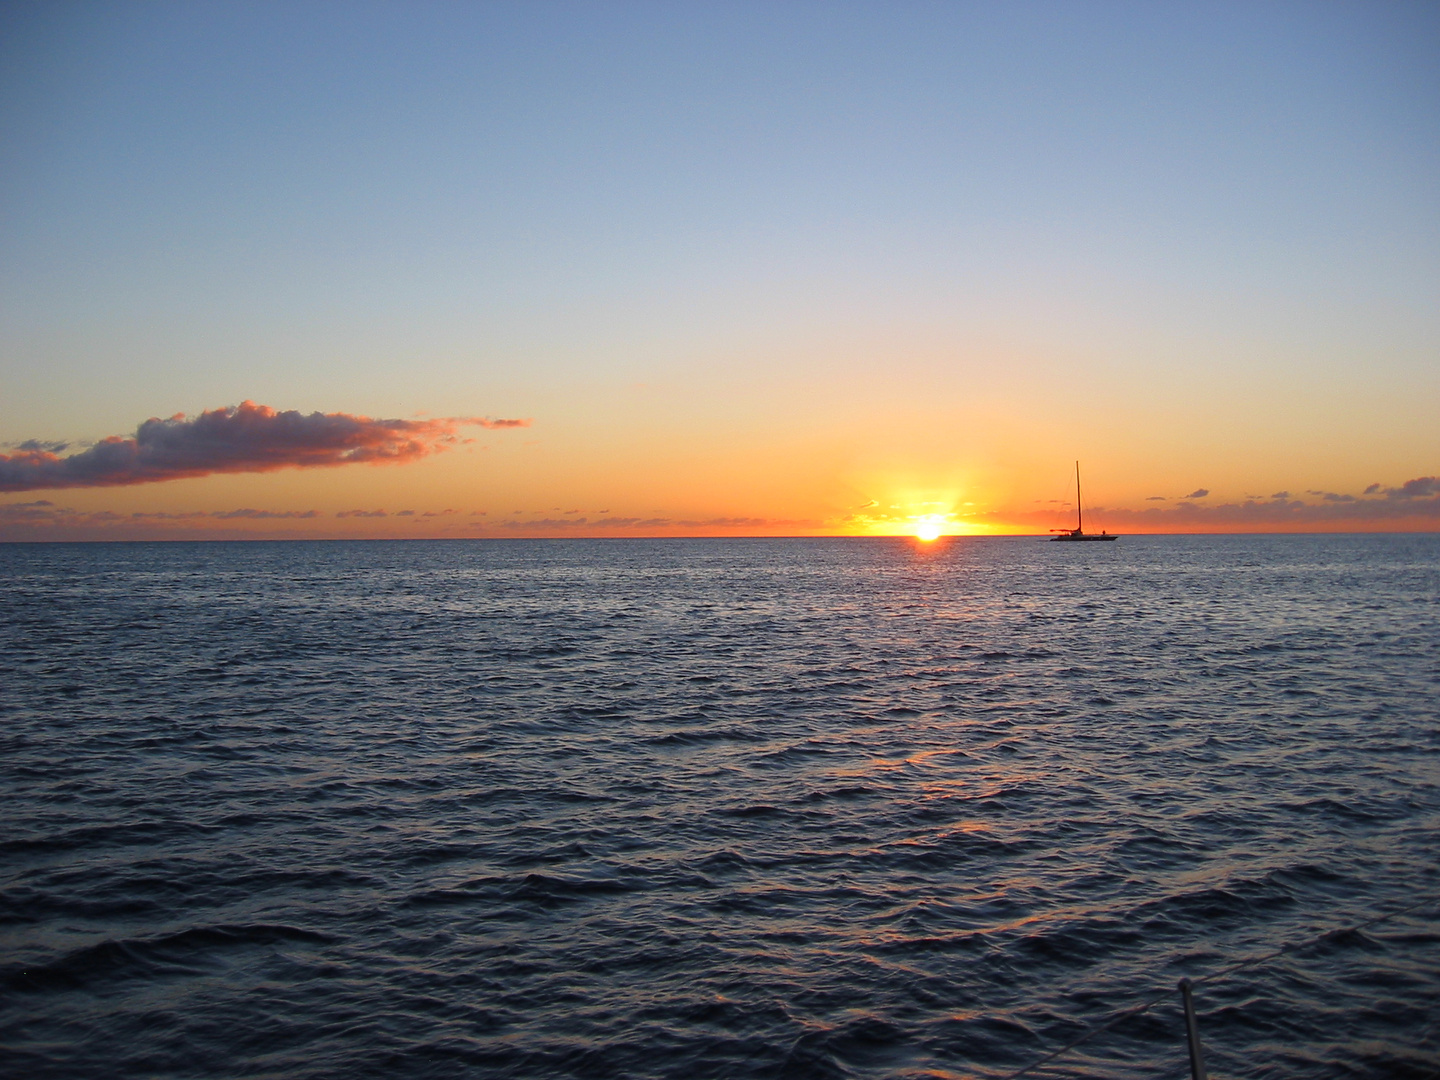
{"x":437,"y":269}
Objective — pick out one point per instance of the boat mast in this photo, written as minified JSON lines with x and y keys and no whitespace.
{"x":1079,"y":521}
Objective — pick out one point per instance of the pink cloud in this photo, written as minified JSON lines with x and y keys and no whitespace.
{"x":240,"y":438}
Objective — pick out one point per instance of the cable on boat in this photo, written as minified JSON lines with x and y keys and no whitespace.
{"x":1166,"y":995}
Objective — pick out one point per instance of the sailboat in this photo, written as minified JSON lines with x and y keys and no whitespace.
{"x":1078,"y":533}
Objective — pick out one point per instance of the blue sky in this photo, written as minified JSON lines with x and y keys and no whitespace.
{"x":947,"y":243}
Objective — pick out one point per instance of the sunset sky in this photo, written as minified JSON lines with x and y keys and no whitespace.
{"x":614,"y":269}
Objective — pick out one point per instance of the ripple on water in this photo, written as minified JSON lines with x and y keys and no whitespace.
{"x":806,"y":808}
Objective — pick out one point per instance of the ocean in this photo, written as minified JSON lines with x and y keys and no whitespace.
{"x":821,"y":808}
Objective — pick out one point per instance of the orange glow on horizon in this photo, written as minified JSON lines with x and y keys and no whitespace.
{"x":499,"y":492}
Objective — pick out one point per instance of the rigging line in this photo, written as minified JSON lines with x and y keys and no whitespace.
{"x":1090,"y":1034}
{"x":1136,"y":1010}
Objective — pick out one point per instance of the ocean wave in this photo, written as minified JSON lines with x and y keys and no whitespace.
{"x":702,"y":809}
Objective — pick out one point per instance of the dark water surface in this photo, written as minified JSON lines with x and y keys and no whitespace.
{"x":716,"y":808}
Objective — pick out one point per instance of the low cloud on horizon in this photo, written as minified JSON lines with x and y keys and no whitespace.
{"x":1422,"y":487}
{"x":1417,"y":499}
{"x":42,"y":519}
{"x":1413,"y":505}
{"x":658,"y":523}
{"x":239,"y":438}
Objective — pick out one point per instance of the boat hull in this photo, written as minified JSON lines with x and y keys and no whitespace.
{"x":1092,"y":536}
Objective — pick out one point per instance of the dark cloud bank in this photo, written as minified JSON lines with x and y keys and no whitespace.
{"x":241,"y":438}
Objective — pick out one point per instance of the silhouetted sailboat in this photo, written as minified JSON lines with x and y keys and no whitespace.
{"x":1078,"y":533}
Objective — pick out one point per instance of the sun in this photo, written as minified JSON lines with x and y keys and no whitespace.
{"x":927,"y":531}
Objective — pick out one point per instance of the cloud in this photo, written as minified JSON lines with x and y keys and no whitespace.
{"x":1156,"y":498}
{"x":1253,"y":515}
{"x":588,"y":524}
{"x":263,"y":515}
{"x":39,"y":510}
{"x":43,"y":520}
{"x":1422,"y":487}
{"x":360,"y":513}
{"x":1198,"y":493}
{"x":1281,"y":495}
{"x":737,"y":522}
{"x":240,"y":438}
{"x":42,"y":445}
{"x":244,"y":514}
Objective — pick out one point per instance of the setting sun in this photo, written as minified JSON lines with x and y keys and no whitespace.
{"x":927,"y":531}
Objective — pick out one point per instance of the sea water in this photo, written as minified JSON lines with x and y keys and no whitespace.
{"x":718,"y":808}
